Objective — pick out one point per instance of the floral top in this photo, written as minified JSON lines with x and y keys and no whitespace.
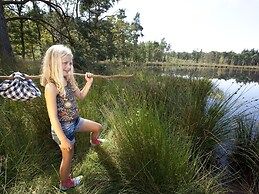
{"x":67,"y":106}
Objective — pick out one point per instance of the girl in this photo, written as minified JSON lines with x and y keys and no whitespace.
{"x":60,"y":92}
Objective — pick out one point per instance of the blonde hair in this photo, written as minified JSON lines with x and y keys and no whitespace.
{"x":52,"y":71}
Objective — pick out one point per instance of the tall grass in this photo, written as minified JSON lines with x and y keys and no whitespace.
{"x":150,"y":159}
{"x":244,"y":159}
{"x":150,"y":142}
{"x":24,"y":136}
{"x":161,"y":131}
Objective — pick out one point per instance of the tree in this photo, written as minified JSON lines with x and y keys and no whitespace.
{"x":136,"y":32}
{"x":6,"y":52}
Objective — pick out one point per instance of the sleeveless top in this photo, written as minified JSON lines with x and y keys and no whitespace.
{"x":67,"y":106}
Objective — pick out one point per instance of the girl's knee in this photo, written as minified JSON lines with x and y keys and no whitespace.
{"x":67,"y":153}
{"x":98,"y":127}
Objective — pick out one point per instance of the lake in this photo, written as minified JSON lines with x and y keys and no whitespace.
{"x":246,"y":94}
{"x":244,"y":84}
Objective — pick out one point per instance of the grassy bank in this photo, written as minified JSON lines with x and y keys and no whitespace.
{"x":163,"y":133}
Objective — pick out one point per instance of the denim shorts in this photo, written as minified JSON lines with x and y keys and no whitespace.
{"x":69,"y":128}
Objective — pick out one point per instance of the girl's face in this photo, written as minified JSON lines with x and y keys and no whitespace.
{"x":66,"y":64}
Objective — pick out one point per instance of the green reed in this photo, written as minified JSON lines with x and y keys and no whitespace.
{"x":154,"y":125}
{"x":244,"y":158}
{"x":149,"y":145}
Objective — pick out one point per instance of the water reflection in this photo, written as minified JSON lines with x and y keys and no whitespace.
{"x":245,"y":94}
{"x":239,"y":75}
{"x":244,"y":83}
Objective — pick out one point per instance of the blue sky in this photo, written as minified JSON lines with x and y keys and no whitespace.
{"x":210,"y":25}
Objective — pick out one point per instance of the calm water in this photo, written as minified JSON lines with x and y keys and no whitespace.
{"x":244,"y":84}
{"x":246,"y":94}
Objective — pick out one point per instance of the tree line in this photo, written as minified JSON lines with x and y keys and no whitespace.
{"x":245,"y":58}
{"x":29,"y":27}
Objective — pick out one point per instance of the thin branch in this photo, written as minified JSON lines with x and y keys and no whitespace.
{"x":57,"y":9}
{"x":15,"y":2}
{"x":39,"y":21}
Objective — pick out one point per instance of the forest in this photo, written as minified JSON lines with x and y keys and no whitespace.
{"x":27,"y":28}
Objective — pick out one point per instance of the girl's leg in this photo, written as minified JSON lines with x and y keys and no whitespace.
{"x":90,"y":126}
{"x":66,"y":164}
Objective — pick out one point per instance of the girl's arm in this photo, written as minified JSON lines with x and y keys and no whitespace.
{"x":50,"y":96}
{"x":82,"y":94}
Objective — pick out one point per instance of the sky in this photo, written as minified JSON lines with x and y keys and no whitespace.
{"x":188,"y":25}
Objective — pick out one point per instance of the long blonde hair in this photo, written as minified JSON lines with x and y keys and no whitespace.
{"x":52,"y":71}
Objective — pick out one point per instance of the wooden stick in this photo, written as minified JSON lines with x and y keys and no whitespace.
{"x":78,"y":74}
{"x":106,"y":76}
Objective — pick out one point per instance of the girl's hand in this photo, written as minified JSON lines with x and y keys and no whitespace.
{"x":89,"y":77}
{"x":66,"y":145}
